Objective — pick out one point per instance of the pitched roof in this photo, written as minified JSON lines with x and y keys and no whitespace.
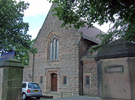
{"x":90,"y":33}
{"x":87,"y":33}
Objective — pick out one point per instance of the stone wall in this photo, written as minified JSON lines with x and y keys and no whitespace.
{"x":27,"y":74}
{"x":68,"y":61}
{"x":87,"y":67}
{"x":11,"y":74}
{"x":83,"y":47}
{"x":90,"y":69}
{"x":71,"y":49}
{"x":115,"y":63}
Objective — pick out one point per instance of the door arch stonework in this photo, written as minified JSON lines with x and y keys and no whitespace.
{"x":48,"y":79}
{"x":54,"y":82}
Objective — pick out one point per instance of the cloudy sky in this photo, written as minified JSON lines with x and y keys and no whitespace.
{"x":36,"y":14}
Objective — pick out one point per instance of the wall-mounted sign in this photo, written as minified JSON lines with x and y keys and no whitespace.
{"x":114,"y":69}
{"x":7,"y":55}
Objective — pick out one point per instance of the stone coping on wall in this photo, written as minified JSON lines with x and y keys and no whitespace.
{"x":88,"y":58}
{"x":11,"y":62}
{"x":116,"y":49}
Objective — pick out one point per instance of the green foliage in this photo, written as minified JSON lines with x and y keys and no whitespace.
{"x":119,"y":12}
{"x":25,"y":55}
{"x":13,"y":31}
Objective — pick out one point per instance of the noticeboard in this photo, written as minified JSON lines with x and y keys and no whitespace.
{"x":7,"y":55}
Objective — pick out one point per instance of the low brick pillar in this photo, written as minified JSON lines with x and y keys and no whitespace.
{"x":11,"y":74}
{"x":116,"y":71}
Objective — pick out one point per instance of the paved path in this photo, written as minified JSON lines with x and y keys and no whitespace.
{"x":76,"y":98}
{"x":69,"y":98}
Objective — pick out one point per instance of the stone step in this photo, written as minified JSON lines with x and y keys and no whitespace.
{"x":47,"y":97}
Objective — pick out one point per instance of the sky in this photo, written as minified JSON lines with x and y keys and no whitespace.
{"x":36,"y":13}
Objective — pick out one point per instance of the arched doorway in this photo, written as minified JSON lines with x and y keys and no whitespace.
{"x":53,"y":82}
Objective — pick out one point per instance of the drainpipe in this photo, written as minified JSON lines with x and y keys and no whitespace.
{"x":33,"y":67}
{"x":82,"y":77}
{"x":82,"y":74}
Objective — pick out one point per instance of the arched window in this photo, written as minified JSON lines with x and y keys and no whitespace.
{"x":51,"y":46}
{"x":54,"y":49}
{"x":57,"y":49}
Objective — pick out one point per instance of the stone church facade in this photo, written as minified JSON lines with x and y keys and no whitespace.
{"x":62,"y":62}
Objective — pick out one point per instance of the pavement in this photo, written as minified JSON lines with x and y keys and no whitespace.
{"x":69,"y":98}
{"x":76,"y":98}
{"x":57,"y":96}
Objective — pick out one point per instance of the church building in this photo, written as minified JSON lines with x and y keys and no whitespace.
{"x":62,"y":62}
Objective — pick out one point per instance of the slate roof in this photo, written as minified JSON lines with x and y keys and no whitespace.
{"x":90,"y":33}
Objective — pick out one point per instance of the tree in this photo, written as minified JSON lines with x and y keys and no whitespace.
{"x":13,"y":31}
{"x":25,"y":56}
{"x":119,"y":12}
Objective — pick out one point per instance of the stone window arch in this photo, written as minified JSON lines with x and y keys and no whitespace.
{"x":53,"y":46}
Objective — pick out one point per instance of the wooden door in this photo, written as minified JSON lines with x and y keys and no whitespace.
{"x":54,"y":82}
